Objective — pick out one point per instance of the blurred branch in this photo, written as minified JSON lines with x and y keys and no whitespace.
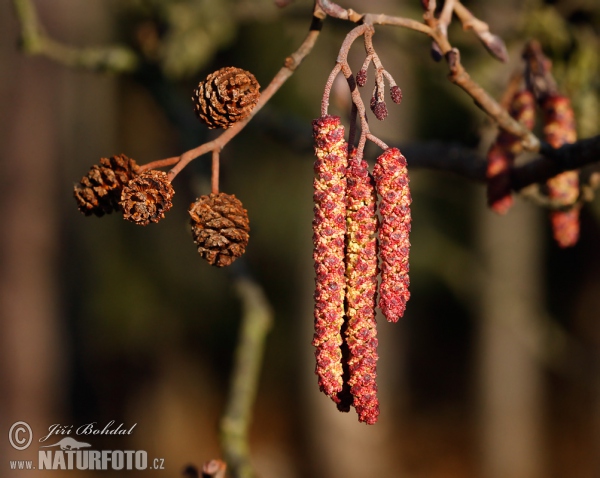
{"x":34,"y":41}
{"x":256,"y":323}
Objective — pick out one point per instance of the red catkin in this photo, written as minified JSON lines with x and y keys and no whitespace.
{"x":503,"y":151}
{"x":559,"y":128}
{"x":329,"y":229}
{"x":361,"y":289}
{"x":391,"y":182}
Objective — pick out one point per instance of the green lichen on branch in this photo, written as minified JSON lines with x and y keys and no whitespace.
{"x":257,"y":318}
{"x":114,"y":58}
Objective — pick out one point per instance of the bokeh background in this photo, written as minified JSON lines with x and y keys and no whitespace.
{"x":494,"y":370}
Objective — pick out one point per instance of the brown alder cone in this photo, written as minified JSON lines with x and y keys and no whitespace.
{"x":99,"y":192}
{"x":220,"y":227}
{"x":559,"y":128}
{"x":225,"y":97}
{"x":147,"y":197}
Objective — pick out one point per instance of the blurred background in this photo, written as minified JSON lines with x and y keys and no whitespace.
{"x":493,"y":371}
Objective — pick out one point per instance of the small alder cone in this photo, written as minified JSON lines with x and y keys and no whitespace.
{"x":559,"y":128}
{"x":361,"y":289}
{"x":329,"y":229}
{"x":147,"y":197}
{"x":391,"y":182}
{"x":503,"y":152}
{"x":99,"y":192}
{"x":225,"y":97}
{"x":220,"y":227}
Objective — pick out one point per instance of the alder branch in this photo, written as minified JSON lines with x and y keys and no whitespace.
{"x":458,"y":74}
{"x":469,"y":164}
{"x":257,"y":320}
{"x":115,"y":58}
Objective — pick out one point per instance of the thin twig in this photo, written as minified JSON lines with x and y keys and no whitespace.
{"x":160,"y":163}
{"x":214,"y":179}
{"x":257,"y":319}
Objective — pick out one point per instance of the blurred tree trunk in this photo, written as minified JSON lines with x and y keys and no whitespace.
{"x":30,"y":340}
{"x":40,"y":116}
{"x":510,"y":376}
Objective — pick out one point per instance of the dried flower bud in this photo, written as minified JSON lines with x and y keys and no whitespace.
{"x":361,"y":77}
{"x":391,"y":182}
{"x":329,"y":228}
{"x":361,"y":285}
{"x":99,"y":192}
{"x":220,"y":228}
{"x":494,"y":45}
{"x":503,"y":151}
{"x":225,"y":97}
{"x":559,"y":128}
{"x":396,"y":94}
{"x":147,"y":197}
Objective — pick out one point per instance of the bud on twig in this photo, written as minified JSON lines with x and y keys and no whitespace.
{"x":361,"y":77}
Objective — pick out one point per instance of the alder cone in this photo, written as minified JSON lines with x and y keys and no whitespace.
{"x":225,"y":97}
{"x":99,"y":192}
{"x":220,"y":227}
{"x":147,"y":197}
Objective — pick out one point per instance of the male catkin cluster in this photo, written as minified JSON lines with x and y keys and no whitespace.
{"x":502,"y":153}
{"x":329,"y":231}
{"x":346,"y":257}
{"x":559,"y":129}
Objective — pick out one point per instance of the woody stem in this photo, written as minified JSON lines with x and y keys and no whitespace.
{"x":215,"y":172}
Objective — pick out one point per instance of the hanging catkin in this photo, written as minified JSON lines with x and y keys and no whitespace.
{"x":329,"y":228}
{"x":391,"y":182}
{"x":559,"y":128}
{"x":503,"y":152}
{"x":361,"y":283}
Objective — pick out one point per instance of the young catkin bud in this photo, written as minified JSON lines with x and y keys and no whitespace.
{"x":559,"y":128}
{"x":329,"y":229}
{"x":391,"y":182}
{"x":361,"y":77}
{"x":503,"y":151}
{"x":396,"y":94}
{"x":361,"y":289}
